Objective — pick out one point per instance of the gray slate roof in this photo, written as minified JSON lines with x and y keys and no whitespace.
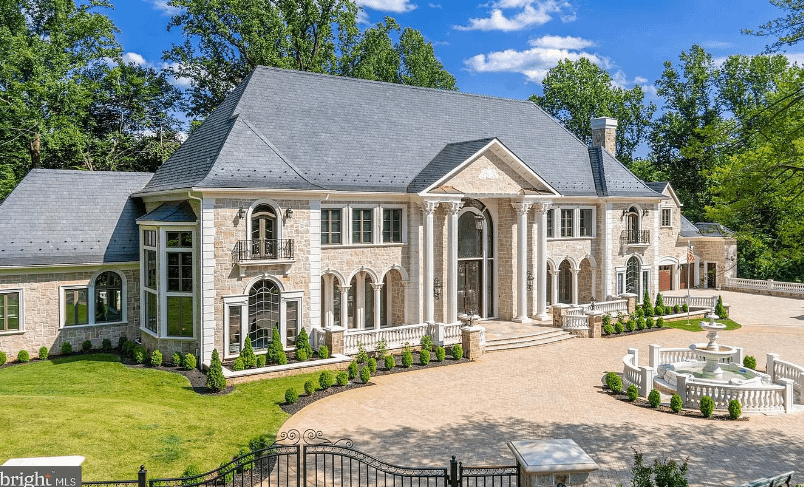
{"x":171,"y":212}
{"x":708,"y":229}
{"x":657,"y":186}
{"x":297,"y":130}
{"x":71,"y":217}
{"x":688,"y":229}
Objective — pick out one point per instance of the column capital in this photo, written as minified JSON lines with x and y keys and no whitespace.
{"x":344,"y":289}
{"x":453,"y":206}
{"x":541,"y":206}
{"x":575,"y":271}
{"x":376,"y":286}
{"x":428,"y":207}
{"x":520,"y":207}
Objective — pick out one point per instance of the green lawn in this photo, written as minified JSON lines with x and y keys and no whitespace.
{"x":695,"y":324}
{"x":119,"y":418}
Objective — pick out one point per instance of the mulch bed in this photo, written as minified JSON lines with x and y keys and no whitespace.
{"x":641,"y":402}
{"x":635,"y":332}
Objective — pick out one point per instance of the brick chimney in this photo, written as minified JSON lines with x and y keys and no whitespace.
{"x":604,"y":134}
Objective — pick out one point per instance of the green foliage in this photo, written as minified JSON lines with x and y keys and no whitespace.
{"x":309,"y":387}
{"x":190,"y":474}
{"x":120,"y":342}
{"x":407,"y":358}
{"x":659,"y":301}
{"x":291,"y":396}
{"x":649,"y":322}
{"x":675,"y":403}
{"x":156,"y":358}
{"x":365,"y":375}
{"x":276,"y":353}
{"x":86,"y":345}
{"x":632,"y":392}
{"x":685,"y":307}
{"x":720,"y":310}
{"x":390,"y":362}
{"x":608,"y":330}
{"x":381,"y":350}
{"x":630,"y":325}
{"x":247,"y":354}
{"x":372,"y":364}
{"x":215,"y":380}
{"x":128,"y":348}
{"x":787,"y":28}
{"x":362,"y":355}
{"x":614,"y":382}
{"x":424,"y":357}
{"x":640,"y":323}
{"x":665,"y":473}
{"x":106,"y":345}
{"x":618,"y":327}
{"x":261,"y":360}
{"x":352,"y":369}
{"x":301,"y":355}
{"x":707,"y":406}
{"x":43,"y":353}
{"x":342,"y":378}
{"x":606,"y":320}
{"x":66,"y":348}
{"x":676,"y":309}
{"x":189,"y":361}
{"x":3,"y":358}
{"x":735,"y":409}
{"x":176,"y":359}
{"x":226,"y":472}
{"x":440,"y":354}
{"x":647,"y":307}
{"x":303,"y":343}
{"x":640,"y":473}
{"x":750,"y":362}
{"x":238,"y":364}
{"x":23,"y":356}
{"x":457,"y":351}
{"x":139,"y":354}
{"x":325,"y":380}
{"x":639,"y":312}
{"x":426,"y":343}
{"x":654,"y":398}
{"x":323,"y":352}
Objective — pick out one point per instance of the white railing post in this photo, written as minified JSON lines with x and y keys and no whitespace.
{"x":739,"y":355}
{"x":653,"y":358}
{"x":770,"y":284}
{"x":635,"y":353}
{"x":788,"y":394}
{"x":646,"y":380}
{"x":681,"y":388}
{"x":769,"y":359}
{"x":439,"y":333}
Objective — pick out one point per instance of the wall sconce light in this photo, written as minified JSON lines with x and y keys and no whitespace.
{"x":592,"y":305}
{"x":437,"y":288}
{"x":530,"y":281}
{"x":625,"y":212}
{"x":645,"y":212}
{"x":289,"y":213}
{"x":479,"y":222}
{"x":241,"y":213}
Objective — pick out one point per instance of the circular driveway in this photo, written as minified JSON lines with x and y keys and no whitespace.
{"x":422,"y":418}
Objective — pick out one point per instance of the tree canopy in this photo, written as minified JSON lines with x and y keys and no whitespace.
{"x":788,"y":29}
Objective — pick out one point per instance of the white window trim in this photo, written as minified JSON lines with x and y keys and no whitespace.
{"x":404,"y":222}
{"x":576,"y":222}
{"x":90,"y":287}
{"x":20,"y":311}
{"x":63,"y":305}
{"x":162,"y":298}
{"x":229,"y":302}
{"x":344,"y":224}
{"x":284,"y":297}
{"x":143,"y":282}
{"x":280,"y":217}
{"x":374,"y":227}
{"x":661,"y":217}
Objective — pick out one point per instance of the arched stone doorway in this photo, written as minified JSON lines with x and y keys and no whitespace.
{"x":392,"y":307}
{"x":475,"y":260}
{"x":585,"y":285}
{"x":565,"y":282}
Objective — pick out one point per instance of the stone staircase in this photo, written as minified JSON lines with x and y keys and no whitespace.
{"x":543,"y":337}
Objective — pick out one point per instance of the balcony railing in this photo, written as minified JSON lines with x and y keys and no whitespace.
{"x":635,"y":237}
{"x":263,"y":249}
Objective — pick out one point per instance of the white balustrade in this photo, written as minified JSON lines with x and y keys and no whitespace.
{"x":788,"y":370}
{"x":483,"y":337}
{"x":576,"y":322}
{"x":452,"y":334}
{"x":747,"y":283}
{"x":614,"y":308}
{"x":578,"y":311}
{"x":760,"y":399}
{"x":692,"y":301}
{"x":631,"y":374}
{"x":395,"y":337}
{"x":673,"y":355}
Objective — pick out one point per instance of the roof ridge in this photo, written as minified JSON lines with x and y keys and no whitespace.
{"x":639,"y":180}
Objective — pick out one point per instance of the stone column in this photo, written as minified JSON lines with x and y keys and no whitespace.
{"x":428,"y":207}
{"x":345,"y":306}
{"x":377,"y":305}
{"x":333,"y":339}
{"x":541,"y":267}
{"x":360,"y":301}
{"x":594,"y":283}
{"x":595,"y":323}
{"x":328,"y":297}
{"x":470,"y":341}
{"x":554,"y":287}
{"x":452,"y":261}
{"x":522,"y":261}
{"x":575,"y":286}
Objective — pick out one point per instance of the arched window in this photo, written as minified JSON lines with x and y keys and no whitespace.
{"x":108,"y":297}
{"x":361,"y":301}
{"x":263,"y":232}
{"x":263,"y":313}
{"x":565,"y":282}
{"x":632,"y":276}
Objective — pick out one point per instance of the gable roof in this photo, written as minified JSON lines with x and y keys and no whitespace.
{"x":297,"y":130}
{"x":171,"y":212}
{"x":688,"y":229}
{"x":612,"y":178}
{"x":71,"y":217}
{"x":450,"y":157}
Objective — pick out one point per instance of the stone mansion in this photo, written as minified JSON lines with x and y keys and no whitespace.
{"x":308,"y":200}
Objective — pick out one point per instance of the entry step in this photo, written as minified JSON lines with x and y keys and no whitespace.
{"x":527,"y":340}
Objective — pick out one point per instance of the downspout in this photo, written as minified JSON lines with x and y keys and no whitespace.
{"x":199,"y":268}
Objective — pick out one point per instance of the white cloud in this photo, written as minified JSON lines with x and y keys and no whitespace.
{"x":533,"y":63}
{"x":134,"y":58}
{"x":795,"y":57}
{"x":717,"y":44}
{"x":177,"y":81}
{"x":434,"y":5}
{"x":162,"y":6}
{"x":363,"y":17}
{"x":558,"y":42}
{"x":533,"y":12}
{"x":396,"y":6}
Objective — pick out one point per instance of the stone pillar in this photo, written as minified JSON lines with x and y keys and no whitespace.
{"x":452,"y":261}
{"x":377,"y":288}
{"x":558,"y":312}
{"x":595,"y":324}
{"x":546,"y":463}
{"x":654,"y":355}
{"x":788,"y":394}
{"x":333,"y":339}
{"x":575,"y":286}
{"x":345,"y":306}
{"x":635,"y":353}
{"x":328,"y":297}
{"x":770,"y":358}
{"x":739,"y":355}
{"x":439,"y":333}
{"x":470,"y":341}
{"x":360,"y":301}
{"x":646,"y":380}
{"x":554,"y":286}
{"x":541,"y":267}
{"x":428,"y":207}
{"x":681,"y":388}
{"x":632,"y":301}
{"x":594,"y":283}
{"x":521,"y":262}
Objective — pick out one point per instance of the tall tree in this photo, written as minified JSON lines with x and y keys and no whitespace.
{"x":226,"y":39}
{"x":577,"y":91}
{"x":789,"y":28}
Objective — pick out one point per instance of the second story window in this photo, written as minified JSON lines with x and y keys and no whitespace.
{"x":666,"y":217}
{"x":331,"y":226}
{"x":180,"y":261}
{"x":392,"y":226}
{"x":550,"y":224}
{"x":566,"y":222}
{"x":362,"y":225}
{"x":586,"y":223}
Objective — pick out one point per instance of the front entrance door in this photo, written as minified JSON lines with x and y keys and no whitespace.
{"x":711,"y":275}
{"x":470,"y":285}
{"x":665,"y":278}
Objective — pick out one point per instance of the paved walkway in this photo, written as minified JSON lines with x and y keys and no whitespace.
{"x":472,"y":410}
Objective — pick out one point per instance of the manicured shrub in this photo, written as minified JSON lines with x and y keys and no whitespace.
{"x":3,"y":358}
{"x":139,"y":354}
{"x":659,"y":322}
{"x":176,"y":359}
{"x":156,"y":358}
{"x":614,"y":382}
{"x":325,"y":380}
{"x":23,"y":356}
{"x":735,"y":409}
{"x":86,"y":345}
{"x":276,"y":354}
{"x":342,"y":378}
{"x":427,"y":343}
{"x":189,"y":474}
{"x":649,"y":322}
{"x":618,"y":328}
{"x":247,"y":354}
{"x":238,"y":364}
{"x":407,"y":358}
{"x":457,"y":351}
{"x":424,"y":357}
{"x":606,"y":320}
{"x":675,"y":403}
{"x":381,"y":350}
{"x":750,"y":362}
{"x":120,"y":342}
{"x":106,"y":345}
{"x":43,"y":353}
{"x":608,"y":330}
{"x":362,"y":355}
{"x":190,"y":361}
{"x":668,"y":310}
{"x":309,"y":387}
{"x":390,"y":362}
{"x":323,"y":352}
{"x":707,"y":406}
{"x":676,"y":309}
{"x":685,"y":307}
{"x":630,"y":325}
{"x":440,"y":354}
{"x":372,"y":364}
{"x":352,"y":369}
{"x":639,"y":312}
{"x":67,"y":348}
{"x":291,"y":396}
{"x":226,"y":471}
{"x":128,"y":348}
{"x":659,"y":301}
{"x":720,"y":310}
{"x":301,"y":355}
{"x":261,"y":361}
{"x":640,"y":323}
{"x":303,"y":343}
{"x":216,"y":382}
{"x":647,"y":307}
{"x":246,"y":459}
{"x":365,"y":375}
{"x":654,"y":398}
{"x":632,"y":392}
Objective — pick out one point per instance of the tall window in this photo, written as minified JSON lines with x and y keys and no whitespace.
{"x":331,"y":226}
{"x":632,"y":276}
{"x":362,"y":223}
{"x":392,"y":225}
{"x":150,"y":280}
{"x":550,"y":224}
{"x":263,"y":313}
{"x":179,"y":250}
{"x":76,"y":306}
{"x":585,"y":222}
{"x":9,"y":311}
{"x":566,"y":222}
{"x":108,"y":297}
{"x":666,"y":220}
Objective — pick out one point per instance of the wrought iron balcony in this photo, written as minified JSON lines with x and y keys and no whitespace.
{"x":263,"y":249}
{"x":635,"y":237}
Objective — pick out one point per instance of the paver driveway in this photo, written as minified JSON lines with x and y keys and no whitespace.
{"x":472,"y":410}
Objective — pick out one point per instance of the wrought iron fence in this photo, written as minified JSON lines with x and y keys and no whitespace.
{"x":262,"y":249}
{"x":492,"y":476}
{"x":632,"y":237}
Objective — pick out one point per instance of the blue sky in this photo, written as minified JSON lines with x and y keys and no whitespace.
{"x":504,"y":47}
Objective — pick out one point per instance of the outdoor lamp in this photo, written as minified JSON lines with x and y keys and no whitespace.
{"x":241,"y":213}
{"x":289,"y":213}
{"x":437,"y":288}
{"x":530,"y":281}
{"x":479,"y":222}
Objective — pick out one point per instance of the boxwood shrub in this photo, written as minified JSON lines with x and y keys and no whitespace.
{"x":649,"y":322}
{"x":156,"y":358}
{"x":707,"y":406}
{"x":371,"y":363}
{"x":43,"y":353}
{"x":659,"y":322}
{"x":614,"y":382}
{"x":608,"y":329}
{"x":261,"y":360}
{"x":390,"y":362}
{"x":632,"y":392}
{"x":640,"y":323}
{"x":618,"y":328}
{"x":190,"y":361}
{"x":630,"y":325}
{"x":120,"y":342}
{"x":654,"y":398}
{"x":323,"y":352}
{"x":365,"y":375}
{"x":238,"y":364}
{"x":407,"y":358}
{"x":66,"y":348}
{"x":291,"y":396}
{"x":106,"y":345}
{"x":86,"y":345}
{"x":342,"y":378}
{"x":675,"y":403}
{"x":176,"y":359}
{"x":685,"y":307}
{"x":23,"y":356}
{"x":325,"y":380}
{"x":735,"y":409}
{"x":309,"y":387}
{"x":750,"y":362}
{"x":3,"y":358}
{"x":352,"y":369}
{"x":301,"y":354}
{"x":676,"y":309}
{"x":139,"y":354}
{"x":440,"y":354}
{"x":424,"y":357}
{"x":457,"y":351}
